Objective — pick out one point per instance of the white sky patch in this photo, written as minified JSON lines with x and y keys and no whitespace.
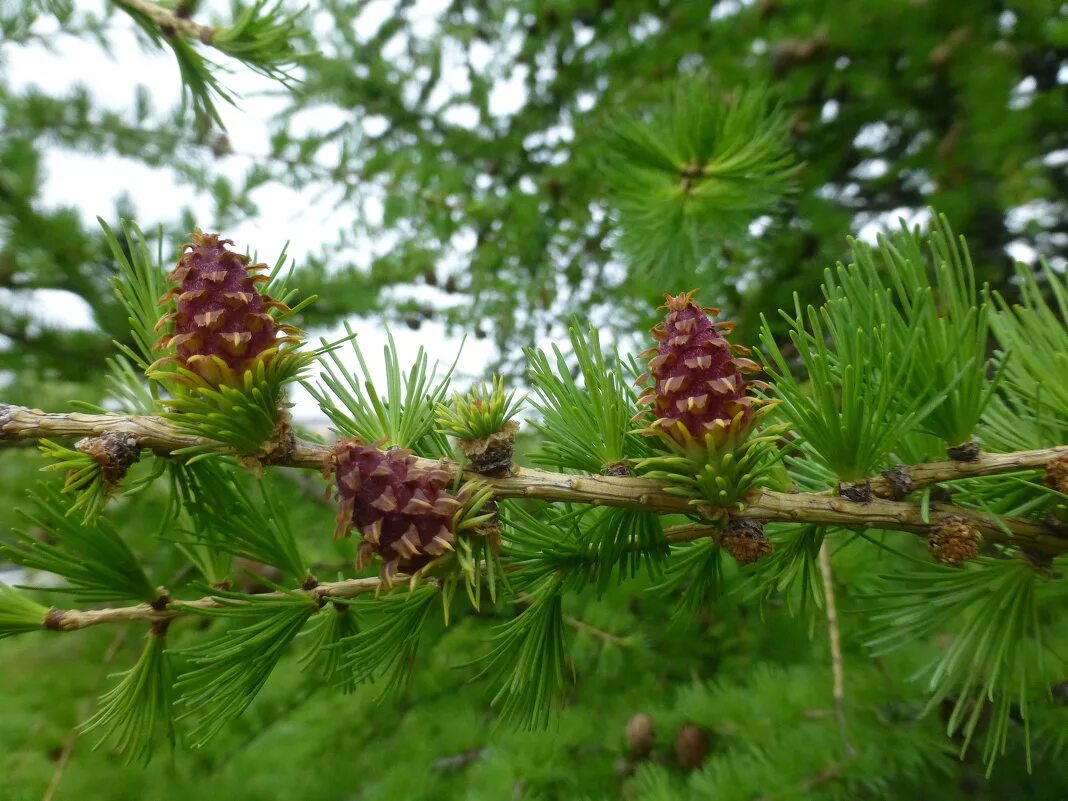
{"x":873,"y":136}
{"x":424,"y":17}
{"x":1023,"y":94}
{"x":891,"y":221}
{"x":480,"y":55}
{"x":1021,"y":251}
{"x":370,"y":20}
{"x":510,"y":95}
{"x":319,"y":119}
{"x":463,"y":115}
{"x":759,"y":226}
{"x":870,"y":169}
{"x":51,"y":308}
{"x":93,"y":183}
{"x":1040,"y":211}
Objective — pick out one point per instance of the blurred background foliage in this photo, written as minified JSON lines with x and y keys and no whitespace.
{"x":472,"y":144}
{"x":477,"y":146}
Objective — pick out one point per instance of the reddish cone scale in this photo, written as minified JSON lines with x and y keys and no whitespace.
{"x":402,"y":511}
{"x":221,"y":322}
{"x":698,"y":387}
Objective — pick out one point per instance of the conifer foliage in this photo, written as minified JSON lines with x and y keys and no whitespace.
{"x":727,"y":445}
{"x":913,"y":419}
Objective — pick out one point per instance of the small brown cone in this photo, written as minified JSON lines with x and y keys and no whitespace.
{"x":954,"y":540}
{"x":640,"y":735}
{"x":1057,"y":474}
{"x":745,"y":541}
{"x":691,"y":746}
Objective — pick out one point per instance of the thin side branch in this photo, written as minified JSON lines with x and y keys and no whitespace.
{"x":17,"y":422}
{"x":75,"y":619}
{"x":835,"y":638}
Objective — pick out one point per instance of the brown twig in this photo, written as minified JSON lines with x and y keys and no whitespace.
{"x":18,"y":422}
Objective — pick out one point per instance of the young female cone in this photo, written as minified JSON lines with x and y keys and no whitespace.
{"x":698,"y":388}
{"x":221,"y":323}
{"x":402,"y":512}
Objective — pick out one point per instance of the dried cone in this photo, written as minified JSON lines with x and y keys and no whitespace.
{"x":640,"y":735}
{"x":745,"y":541}
{"x":1057,"y":474}
{"x":698,"y":388}
{"x":221,"y":325}
{"x":954,"y":540}
{"x":402,"y":511}
{"x":691,"y":746}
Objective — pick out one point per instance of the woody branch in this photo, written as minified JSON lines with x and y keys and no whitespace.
{"x":19,"y":423}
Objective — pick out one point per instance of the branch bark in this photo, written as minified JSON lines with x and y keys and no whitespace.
{"x":17,"y":422}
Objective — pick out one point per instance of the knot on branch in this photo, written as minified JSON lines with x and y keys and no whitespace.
{"x":899,"y":482}
{"x":280,"y":448}
{"x":114,"y":451}
{"x":856,"y":491}
{"x":491,"y":528}
{"x":1038,"y":561}
{"x":491,"y":455}
{"x":965,"y":452}
{"x":54,"y":620}
{"x":162,"y":599}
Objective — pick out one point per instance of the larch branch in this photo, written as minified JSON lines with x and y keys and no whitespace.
{"x":17,"y":422}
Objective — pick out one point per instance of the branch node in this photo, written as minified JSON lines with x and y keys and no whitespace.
{"x":856,"y":491}
{"x":899,"y":482}
{"x":965,"y":452}
{"x":491,"y":455}
{"x":162,"y":599}
{"x":114,"y":451}
{"x":54,"y":620}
